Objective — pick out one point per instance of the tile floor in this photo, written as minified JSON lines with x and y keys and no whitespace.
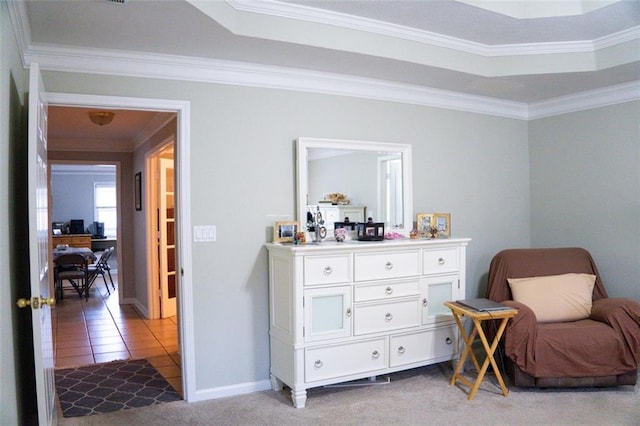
{"x":100,"y":330}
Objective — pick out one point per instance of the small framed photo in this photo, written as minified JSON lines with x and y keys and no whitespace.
{"x":137,"y":191}
{"x":424,"y":223}
{"x":442,"y":223}
{"x":284,"y":232}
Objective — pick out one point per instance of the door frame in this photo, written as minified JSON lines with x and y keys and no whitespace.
{"x":183,"y":209}
{"x":151,"y":200}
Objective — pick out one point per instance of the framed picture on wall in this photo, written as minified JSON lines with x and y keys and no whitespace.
{"x":424,"y":222}
{"x":284,"y":232}
{"x":137,"y":188}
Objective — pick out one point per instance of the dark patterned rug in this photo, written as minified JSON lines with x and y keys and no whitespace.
{"x":103,"y":388}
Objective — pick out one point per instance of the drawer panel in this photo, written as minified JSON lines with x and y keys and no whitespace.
{"x":341,"y":360}
{"x":381,"y":291}
{"x":380,"y":266}
{"x":327,"y":269}
{"x":423,"y":346}
{"x":392,"y":315}
{"x":440,"y":261}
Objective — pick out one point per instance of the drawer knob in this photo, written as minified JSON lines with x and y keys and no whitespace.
{"x":441,"y":261}
{"x":388,"y":266}
{"x":388,"y":317}
{"x":317,"y":364}
{"x":401,"y":350}
{"x":448,"y":341}
{"x":327,"y":270}
{"x":388,"y":290}
{"x":348,"y":312}
{"x":375,"y":355}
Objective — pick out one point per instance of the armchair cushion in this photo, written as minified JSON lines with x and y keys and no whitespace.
{"x":555,"y":298}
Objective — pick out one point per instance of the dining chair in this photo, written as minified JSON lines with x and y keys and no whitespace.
{"x":71,"y":267}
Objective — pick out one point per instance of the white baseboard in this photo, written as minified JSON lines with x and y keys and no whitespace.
{"x":232,"y":390}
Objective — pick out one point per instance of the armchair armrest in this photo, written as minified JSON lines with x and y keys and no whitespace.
{"x":623,"y":315}
{"x":520,"y":335}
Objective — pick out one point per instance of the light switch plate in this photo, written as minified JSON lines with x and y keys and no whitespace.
{"x":204,"y":233}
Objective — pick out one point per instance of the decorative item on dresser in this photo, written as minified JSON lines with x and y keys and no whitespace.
{"x":347,"y":311}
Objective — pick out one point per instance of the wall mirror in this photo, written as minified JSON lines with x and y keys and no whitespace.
{"x":375,"y":178}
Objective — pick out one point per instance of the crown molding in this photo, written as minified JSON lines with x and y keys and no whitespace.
{"x":171,"y":67}
{"x":132,"y":64}
{"x":612,"y":95}
{"x":330,"y":18}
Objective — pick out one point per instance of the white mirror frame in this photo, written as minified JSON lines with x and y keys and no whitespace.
{"x":303,"y":145}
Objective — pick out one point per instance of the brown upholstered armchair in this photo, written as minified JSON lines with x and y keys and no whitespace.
{"x":600,"y":350}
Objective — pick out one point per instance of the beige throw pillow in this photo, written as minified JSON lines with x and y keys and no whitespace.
{"x":555,"y":298}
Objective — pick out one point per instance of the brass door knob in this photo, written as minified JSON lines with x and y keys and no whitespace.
{"x":36,"y":302}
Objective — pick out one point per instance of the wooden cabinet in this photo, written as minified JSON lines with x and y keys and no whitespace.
{"x":73,"y":240}
{"x":347,"y":311}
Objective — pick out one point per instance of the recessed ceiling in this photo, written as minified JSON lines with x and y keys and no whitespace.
{"x":448,"y":45}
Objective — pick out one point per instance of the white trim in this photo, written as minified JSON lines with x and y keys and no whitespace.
{"x":611,"y":95}
{"x":144,"y":65}
{"x":183,"y":141}
{"x":232,"y":390}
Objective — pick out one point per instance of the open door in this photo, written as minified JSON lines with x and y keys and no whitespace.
{"x":167,"y":243}
{"x":40,"y":301}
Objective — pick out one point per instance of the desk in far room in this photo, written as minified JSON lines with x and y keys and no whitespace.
{"x":101,"y":244}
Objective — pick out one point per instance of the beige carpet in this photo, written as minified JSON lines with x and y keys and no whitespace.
{"x":418,"y":397}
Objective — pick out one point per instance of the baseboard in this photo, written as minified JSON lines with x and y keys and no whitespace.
{"x":233,"y":390}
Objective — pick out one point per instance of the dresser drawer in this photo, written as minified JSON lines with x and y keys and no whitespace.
{"x":327,"y":269}
{"x":391,"y":315}
{"x":380,"y":266}
{"x":440,"y":261}
{"x":381,"y":291}
{"x":341,"y":360}
{"x":423,"y":346}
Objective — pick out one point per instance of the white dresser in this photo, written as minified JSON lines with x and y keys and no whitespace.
{"x":346,"y":311}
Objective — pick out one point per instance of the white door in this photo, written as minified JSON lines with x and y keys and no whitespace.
{"x":39,"y":249}
{"x":167,"y":237}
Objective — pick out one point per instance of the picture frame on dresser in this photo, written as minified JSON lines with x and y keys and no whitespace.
{"x":284,"y":232}
{"x":424,"y":222}
{"x":442,"y":222}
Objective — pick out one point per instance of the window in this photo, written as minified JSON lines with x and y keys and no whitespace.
{"x":106,"y":207}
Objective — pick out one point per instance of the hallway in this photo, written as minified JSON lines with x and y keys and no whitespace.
{"x":100,"y":330}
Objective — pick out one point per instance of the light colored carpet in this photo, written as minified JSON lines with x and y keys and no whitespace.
{"x":417,"y":397}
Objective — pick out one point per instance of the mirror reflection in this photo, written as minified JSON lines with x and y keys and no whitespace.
{"x":355,"y":180}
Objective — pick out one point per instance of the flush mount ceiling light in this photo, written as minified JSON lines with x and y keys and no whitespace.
{"x":101,"y":117}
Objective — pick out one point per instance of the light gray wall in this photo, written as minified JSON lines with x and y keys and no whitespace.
{"x":242,"y":173}
{"x":13,"y":85}
{"x":72,"y":195}
{"x":585,"y":189}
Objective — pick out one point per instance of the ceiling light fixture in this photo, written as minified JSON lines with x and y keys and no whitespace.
{"x":101,"y":117}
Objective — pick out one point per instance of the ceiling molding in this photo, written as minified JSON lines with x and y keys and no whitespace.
{"x":333,"y":30}
{"x":133,"y":64}
{"x":607,"y":96}
{"x":143,"y":65}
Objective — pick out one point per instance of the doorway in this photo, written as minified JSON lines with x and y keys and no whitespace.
{"x":180,"y":110}
{"x":161,"y":225}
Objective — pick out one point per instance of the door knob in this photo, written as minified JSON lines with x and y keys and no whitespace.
{"x":36,"y":302}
